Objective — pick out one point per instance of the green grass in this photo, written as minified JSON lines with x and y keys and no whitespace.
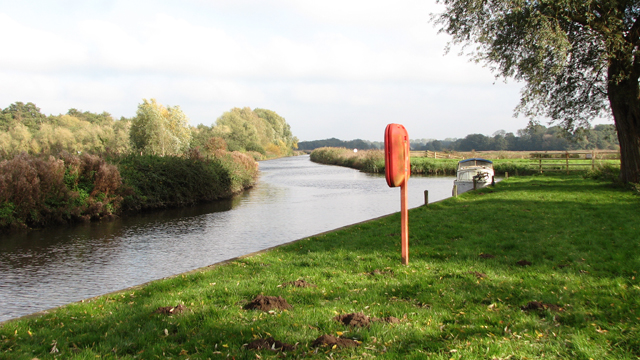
{"x":580,"y":235}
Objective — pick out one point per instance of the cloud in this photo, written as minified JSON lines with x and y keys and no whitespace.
{"x":326,"y":66}
{"x":29,"y":49}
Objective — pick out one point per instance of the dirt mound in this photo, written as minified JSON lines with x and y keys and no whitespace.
{"x":388,"y":319}
{"x":362,"y":320}
{"x":479,"y":275}
{"x":354,"y":319}
{"x":487,"y":256}
{"x":536,"y":305}
{"x":330,"y":340}
{"x":171,"y":310}
{"x":523,"y":263}
{"x":267,"y":303}
{"x":298,"y":283}
{"x":269,"y":344}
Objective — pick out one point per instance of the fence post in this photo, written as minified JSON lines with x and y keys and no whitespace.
{"x":506,"y":175}
{"x":567,"y":157}
{"x":593,"y":160}
{"x":426,"y":197}
{"x":455,"y":190}
{"x":540,"y":158}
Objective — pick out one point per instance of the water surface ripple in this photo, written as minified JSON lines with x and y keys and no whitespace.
{"x":294,"y":198}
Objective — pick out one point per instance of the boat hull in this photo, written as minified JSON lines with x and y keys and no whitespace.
{"x":464,"y":186}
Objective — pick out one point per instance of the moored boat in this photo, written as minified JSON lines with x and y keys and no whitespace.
{"x":473,"y":174}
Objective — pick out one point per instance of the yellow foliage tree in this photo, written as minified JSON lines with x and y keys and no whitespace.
{"x":160,"y":130}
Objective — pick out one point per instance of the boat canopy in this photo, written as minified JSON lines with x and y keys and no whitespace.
{"x":475,"y":162}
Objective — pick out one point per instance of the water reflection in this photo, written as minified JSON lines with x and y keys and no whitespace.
{"x":295,"y":198}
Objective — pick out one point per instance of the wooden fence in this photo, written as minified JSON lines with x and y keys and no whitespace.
{"x":571,"y":160}
{"x":435,"y":154}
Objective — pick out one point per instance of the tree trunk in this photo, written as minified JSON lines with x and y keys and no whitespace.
{"x":624,"y":98}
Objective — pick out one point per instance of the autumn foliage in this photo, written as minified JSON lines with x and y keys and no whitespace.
{"x":39,"y":191}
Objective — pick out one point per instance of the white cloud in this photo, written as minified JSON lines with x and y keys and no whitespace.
{"x":323,"y":65}
{"x":31,"y":49}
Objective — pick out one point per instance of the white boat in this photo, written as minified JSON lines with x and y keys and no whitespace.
{"x":473,"y":174}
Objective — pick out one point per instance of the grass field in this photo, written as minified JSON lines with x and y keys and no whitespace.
{"x":536,"y":267}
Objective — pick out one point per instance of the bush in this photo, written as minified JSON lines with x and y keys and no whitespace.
{"x":152,"y":181}
{"x":36,"y":192}
{"x":605,"y":171}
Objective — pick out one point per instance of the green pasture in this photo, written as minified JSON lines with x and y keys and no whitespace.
{"x":478,"y":263}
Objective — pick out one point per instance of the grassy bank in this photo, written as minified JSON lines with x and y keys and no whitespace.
{"x":373,"y":161}
{"x":537,"y":267}
{"x":40,"y":191}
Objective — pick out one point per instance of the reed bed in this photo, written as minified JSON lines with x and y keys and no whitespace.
{"x":372,"y":161}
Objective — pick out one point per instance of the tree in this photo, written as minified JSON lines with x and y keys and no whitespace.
{"x":281,"y":130}
{"x":579,"y":59}
{"x":27,"y":114}
{"x":159,"y":130}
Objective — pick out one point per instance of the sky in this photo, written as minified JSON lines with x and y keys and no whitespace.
{"x":331,"y":68}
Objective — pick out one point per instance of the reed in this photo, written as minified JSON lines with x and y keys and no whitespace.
{"x":373,"y":161}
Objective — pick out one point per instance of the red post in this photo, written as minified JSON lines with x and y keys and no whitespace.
{"x":404,"y":223}
{"x":397,"y":172}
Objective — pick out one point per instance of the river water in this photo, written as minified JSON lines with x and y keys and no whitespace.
{"x":294,"y":198}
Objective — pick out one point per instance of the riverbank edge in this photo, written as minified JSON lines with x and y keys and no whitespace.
{"x":202,"y":268}
{"x":95,"y":188}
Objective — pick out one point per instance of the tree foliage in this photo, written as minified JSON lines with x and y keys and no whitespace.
{"x":333,"y":142}
{"x":160,"y":130}
{"x":23,"y":128}
{"x":579,"y":59}
{"x":537,"y":138}
{"x":260,"y":131}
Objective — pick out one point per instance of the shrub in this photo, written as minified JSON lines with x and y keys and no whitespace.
{"x":152,"y":181}
{"x":35,"y":192}
{"x":605,"y":171}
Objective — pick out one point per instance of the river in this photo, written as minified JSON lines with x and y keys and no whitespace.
{"x":294,"y":198}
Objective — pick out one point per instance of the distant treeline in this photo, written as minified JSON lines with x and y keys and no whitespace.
{"x":533,"y":138}
{"x":333,"y":142}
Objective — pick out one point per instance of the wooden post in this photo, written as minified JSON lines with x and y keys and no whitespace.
{"x":426,"y":197}
{"x":506,"y":175}
{"x":567,"y":156}
{"x":593,"y":160}
{"x":474,"y":183}
{"x":540,"y":159}
{"x":455,"y":190}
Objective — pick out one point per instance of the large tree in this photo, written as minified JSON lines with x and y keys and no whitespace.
{"x":579,"y":59}
{"x":160,"y":130}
